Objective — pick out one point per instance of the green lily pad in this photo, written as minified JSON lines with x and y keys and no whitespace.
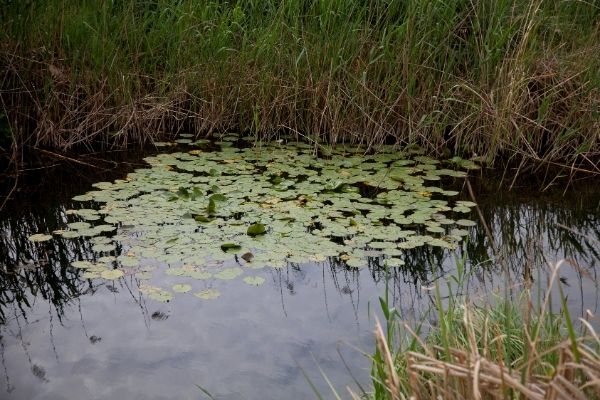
{"x":435,"y":229}
{"x":103,"y":247}
{"x":229,"y":273}
{"x":208,"y":294}
{"x":356,"y":262}
{"x":394,"y":262}
{"x":143,"y":275}
{"x":254,"y":280}
{"x":182,"y":288}
{"x":175,"y":271}
{"x":82,"y":264}
{"x":163,"y":296}
{"x":230,"y":247}
{"x":200,"y":275}
{"x":155,"y":293}
{"x":40,"y":237}
{"x":256,"y":229}
{"x":112,"y":274}
{"x":128,"y":261}
{"x":79,"y":225}
{"x":459,"y":232}
{"x":218,"y":197}
{"x":465,"y":222}
{"x":91,"y":275}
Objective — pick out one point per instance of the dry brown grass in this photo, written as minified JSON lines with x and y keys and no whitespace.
{"x":510,"y":350}
{"x":470,"y":375}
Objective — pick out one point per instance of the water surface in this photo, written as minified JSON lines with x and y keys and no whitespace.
{"x":65,"y":337}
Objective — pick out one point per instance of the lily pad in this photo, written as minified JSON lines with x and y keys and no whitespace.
{"x":40,"y":237}
{"x":230,"y":247}
{"x":78,"y":225}
{"x":112,"y":274}
{"x":208,"y":294}
{"x":200,"y":275}
{"x":82,"y":264}
{"x":156,"y":293}
{"x":163,"y":296}
{"x":229,"y":273}
{"x":254,"y":280}
{"x":465,"y":222}
{"x":181,"y":288}
{"x":256,"y":229}
{"x":91,"y":275}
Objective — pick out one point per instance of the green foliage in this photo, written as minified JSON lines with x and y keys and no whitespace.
{"x":508,"y":76}
{"x":522,"y":338}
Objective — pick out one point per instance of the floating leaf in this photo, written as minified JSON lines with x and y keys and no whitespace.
{"x":40,"y":237}
{"x":459,"y":232}
{"x":254,"y":280}
{"x":162,"y":296}
{"x":355,"y":262}
{"x":256,"y":229}
{"x":112,"y":274}
{"x":128,"y":261}
{"x":394,"y":262}
{"x":208,"y":294}
{"x":465,"y":222}
{"x":202,"y":218}
{"x":175,"y":271}
{"x":435,"y":229}
{"x":91,"y":275}
{"x":200,"y":275}
{"x":79,"y":225}
{"x":212,"y":207}
{"x":229,"y":273}
{"x":182,"y":288}
{"x":230,"y":247}
{"x":218,"y":197}
{"x":103,"y":247}
{"x":156,"y":293}
{"x":143,"y":275}
{"x":82,"y":264}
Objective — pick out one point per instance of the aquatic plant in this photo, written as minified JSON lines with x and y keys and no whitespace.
{"x":214,"y":215}
{"x":506,"y":348}
{"x":510,"y":79}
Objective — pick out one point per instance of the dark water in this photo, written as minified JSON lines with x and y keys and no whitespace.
{"x":62,"y":337}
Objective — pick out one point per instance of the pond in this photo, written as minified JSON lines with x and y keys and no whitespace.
{"x":249,"y":270}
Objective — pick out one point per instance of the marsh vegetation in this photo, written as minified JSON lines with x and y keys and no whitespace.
{"x":509,"y":80}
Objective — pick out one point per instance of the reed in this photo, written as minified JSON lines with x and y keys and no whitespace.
{"x":501,"y":350}
{"x":509,"y":80}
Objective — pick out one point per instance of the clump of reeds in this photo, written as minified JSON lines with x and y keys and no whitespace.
{"x":509,"y":79}
{"x":504,"y":351}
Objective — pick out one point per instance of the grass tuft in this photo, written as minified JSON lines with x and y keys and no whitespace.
{"x":506,"y":350}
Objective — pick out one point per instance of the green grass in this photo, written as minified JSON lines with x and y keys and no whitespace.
{"x":503,"y":349}
{"x":509,"y":79}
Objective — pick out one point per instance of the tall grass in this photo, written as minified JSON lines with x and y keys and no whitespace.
{"x":499,"y":350}
{"x":506,"y":78}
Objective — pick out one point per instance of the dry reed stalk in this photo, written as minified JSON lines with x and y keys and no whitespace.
{"x":392,"y":380}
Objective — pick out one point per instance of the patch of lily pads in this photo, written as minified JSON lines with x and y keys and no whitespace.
{"x":214,"y":216}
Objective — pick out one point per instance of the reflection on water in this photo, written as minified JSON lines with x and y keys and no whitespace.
{"x":65,"y":337}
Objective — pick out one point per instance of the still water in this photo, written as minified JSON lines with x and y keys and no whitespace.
{"x":65,"y":337}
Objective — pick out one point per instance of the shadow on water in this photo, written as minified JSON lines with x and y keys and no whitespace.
{"x":41,"y":292}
